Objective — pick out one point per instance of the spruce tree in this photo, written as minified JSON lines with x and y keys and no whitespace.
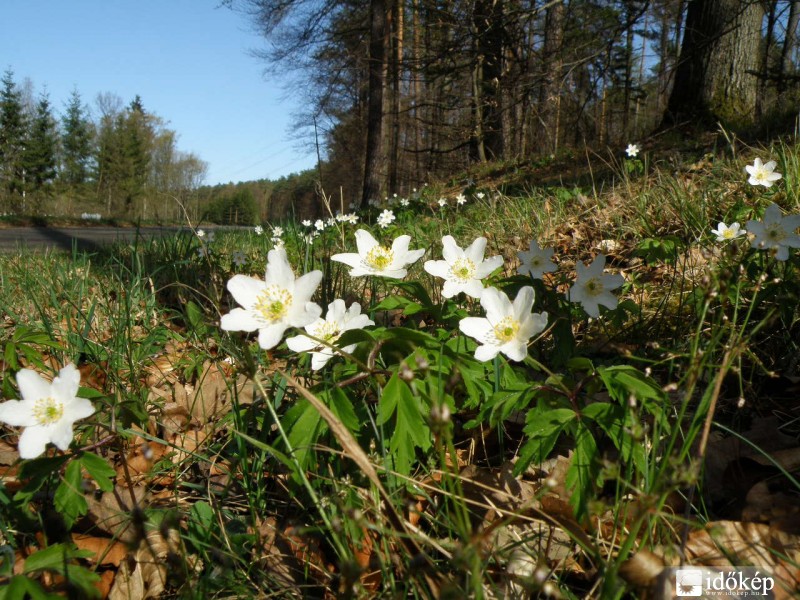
{"x":76,"y":143}
{"x":12,"y":143}
{"x":39,"y":156}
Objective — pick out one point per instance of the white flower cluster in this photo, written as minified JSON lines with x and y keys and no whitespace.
{"x":282,"y":301}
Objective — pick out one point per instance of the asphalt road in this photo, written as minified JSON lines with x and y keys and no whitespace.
{"x":66,"y":238}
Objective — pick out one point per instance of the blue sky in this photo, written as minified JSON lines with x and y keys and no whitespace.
{"x":189,"y":60}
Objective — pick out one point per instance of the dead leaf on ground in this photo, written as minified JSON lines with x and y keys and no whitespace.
{"x":111,"y":514}
{"x":106,"y":551}
{"x":144,"y":574}
{"x":731,"y":543}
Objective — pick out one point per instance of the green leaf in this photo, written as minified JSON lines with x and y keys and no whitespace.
{"x":69,"y":499}
{"x":99,"y":470}
{"x":194,"y":315}
{"x":20,"y":587}
{"x":622,"y":381}
{"x":10,"y":356}
{"x":417,"y":291}
{"x":617,"y":423}
{"x":583,"y":470}
{"x":201,"y":521}
{"x":36,"y":473}
{"x":53,"y":558}
{"x":542,"y":428}
{"x":354,"y":336}
{"x":342,"y":407}
{"x":304,"y":426}
{"x":410,"y":429}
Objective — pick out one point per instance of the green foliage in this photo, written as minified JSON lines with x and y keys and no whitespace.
{"x":13,"y":126}
{"x":237,"y":209}
{"x":76,"y":143}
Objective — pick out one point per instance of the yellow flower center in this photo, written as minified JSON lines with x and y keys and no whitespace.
{"x":506,"y":330}
{"x":728,"y":233}
{"x":593,"y":287}
{"x":273,"y":303}
{"x":379,"y":258}
{"x":463,"y":269}
{"x":776,"y":234}
{"x":327,"y":331}
{"x":47,"y":411}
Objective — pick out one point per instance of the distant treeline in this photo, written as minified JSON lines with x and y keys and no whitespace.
{"x":251,"y":202}
{"x":116,"y":160}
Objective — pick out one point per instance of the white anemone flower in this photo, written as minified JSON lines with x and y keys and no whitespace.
{"x":442,"y":202}
{"x":319,"y":224}
{"x":239,"y":258}
{"x":461,"y":199}
{"x":762,"y":174}
{"x":374,"y":259}
{"x":404,"y":202}
{"x":275,"y":304}
{"x":330,"y":329}
{"x":536,"y":261}
{"x":463,"y":270}
{"x":593,"y":288}
{"x":507,"y":327}
{"x":385,"y":218}
{"x":775,"y":232}
{"x":725,"y":232}
{"x":258,"y":229}
{"x":47,"y":410}
{"x":632,"y":150}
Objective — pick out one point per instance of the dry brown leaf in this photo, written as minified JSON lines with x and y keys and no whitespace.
{"x":8,"y":454}
{"x":144,"y":575}
{"x":642,"y":568}
{"x":112,"y":513}
{"x":106,"y":581}
{"x":731,"y":543}
{"x":106,"y":551}
{"x":188,"y":443}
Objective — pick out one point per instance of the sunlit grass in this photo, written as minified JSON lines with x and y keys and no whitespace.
{"x":408,"y":486}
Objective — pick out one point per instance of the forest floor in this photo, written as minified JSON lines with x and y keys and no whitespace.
{"x":629,"y":406}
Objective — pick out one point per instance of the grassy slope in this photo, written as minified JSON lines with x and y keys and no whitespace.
{"x":194,"y":439}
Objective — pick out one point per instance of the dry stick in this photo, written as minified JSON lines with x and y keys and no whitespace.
{"x":356,"y":453}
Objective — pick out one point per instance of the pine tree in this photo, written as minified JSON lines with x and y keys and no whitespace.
{"x":39,"y":155}
{"x":12,"y":143}
{"x":76,"y":143}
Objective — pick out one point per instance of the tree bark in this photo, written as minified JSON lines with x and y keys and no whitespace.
{"x":374,"y":163}
{"x":788,"y":44}
{"x":716,"y":79}
{"x":487,"y":73}
{"x":550,"y":91}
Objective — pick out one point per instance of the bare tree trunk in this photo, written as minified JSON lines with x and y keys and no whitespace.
{"x":487,"y":22}
{"x":553,"y":61}
{"x":715,"y":76}
{"x":769,"y":42}
{"x":416,"y":88}
{"x":788,"y":44}
{"x":374,"y":163}
{"x":395,"y":63}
